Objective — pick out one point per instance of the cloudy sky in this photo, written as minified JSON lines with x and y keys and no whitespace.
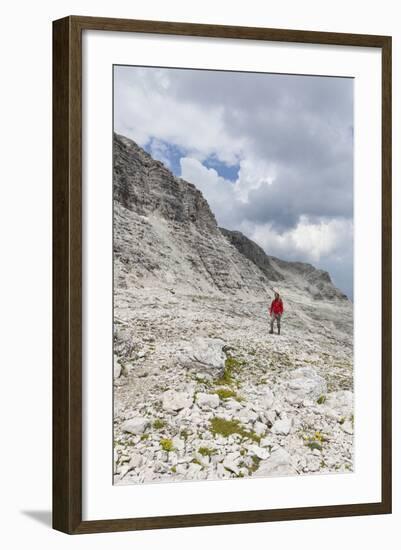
{"x":272,"y":154}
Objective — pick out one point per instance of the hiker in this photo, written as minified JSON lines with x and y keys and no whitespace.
{"x":276,"y":311}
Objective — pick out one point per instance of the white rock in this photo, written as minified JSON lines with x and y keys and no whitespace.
{"x":136,"y":425}
{"x":233,"y":405}
{"x":221,"y":471}
{"x":308,"y":402}
{"x":123,"y":470}
{"x":136,"y":461}
{"x":305,"y":383}
{"x":190,"y":388}
{"x":259,"y":428}
{"x":141,"y":373}
{"x":181,"y":468}
{"x":193,"y":471}
{"x":214,"y":459}
{"x":117,"y":368}
{"x":266,"y":442}
{"x":207,"y":400}
{"x":347,"y":427}
{"x":268,"y":399}
{"x":148,"y":475}
{"x":207,"y":352}
{"x":268,"y":416}
{"x":204,"y":460}
{"x":341,"y":402}
{"x":185,"y":413}
{"x":178,"y":443}
{"x":259,"y":451}
{"x":278,"y":463}
{"x":175,"y":401}
{"x":233,"y":456}
{"x":282,"y":427}
{"x":230,"y":462}
{"x":246,"y":415}
{"x":313,"y":463}
{"x":184,"y":459}
{"x":173,"y":458}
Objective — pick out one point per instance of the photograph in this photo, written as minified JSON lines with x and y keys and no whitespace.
{"x":233,"y":275}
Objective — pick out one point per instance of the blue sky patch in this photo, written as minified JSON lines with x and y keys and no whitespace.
{"x":168,"y":153}
{"x":171,"y":155}
{"x":224,"y":170}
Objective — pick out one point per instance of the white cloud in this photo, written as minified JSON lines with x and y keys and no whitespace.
{"x":218,"y":192}
{"x":254,"y":173}
{"x":146,"y":110}
{"x":313,"y":241}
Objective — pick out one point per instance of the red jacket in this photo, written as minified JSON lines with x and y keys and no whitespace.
{"x":277,"y":306}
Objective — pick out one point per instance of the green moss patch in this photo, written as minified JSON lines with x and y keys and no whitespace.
{"x":314,"y":445}
{"x":159,"y":424}
{"x":221,"y":426}
{"x":226,"y":393}
{"x":185,"y":433}
{"x":315,"y":441}
{"x":206,"y":451}
{"x":231,"y":367}
{"x":166,"y":444}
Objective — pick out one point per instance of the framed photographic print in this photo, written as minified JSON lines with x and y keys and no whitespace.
{"x":222,"y":274}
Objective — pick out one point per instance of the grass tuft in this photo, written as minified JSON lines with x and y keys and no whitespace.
{"x":221,"y":426}
{"x":314,"y":445}
{"x":231,"y":366}
{"x":159,"y":424}
{"x":225,"y":393}
{"x":166,"y":444}
{"x":206,"y":451}
{"x":185,"y":433}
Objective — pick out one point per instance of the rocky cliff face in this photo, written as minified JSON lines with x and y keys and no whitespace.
{"x":254,"y":253}
{"x":202,"y":390}
{"x":145,"y":186}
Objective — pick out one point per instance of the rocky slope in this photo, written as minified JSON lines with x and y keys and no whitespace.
{"x":315,"y":282}
{"x":202,"y":391}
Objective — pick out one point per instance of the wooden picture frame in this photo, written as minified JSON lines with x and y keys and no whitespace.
{"x":67,"y":273}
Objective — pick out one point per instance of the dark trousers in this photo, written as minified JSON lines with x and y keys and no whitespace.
{"x":275,"y":317}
